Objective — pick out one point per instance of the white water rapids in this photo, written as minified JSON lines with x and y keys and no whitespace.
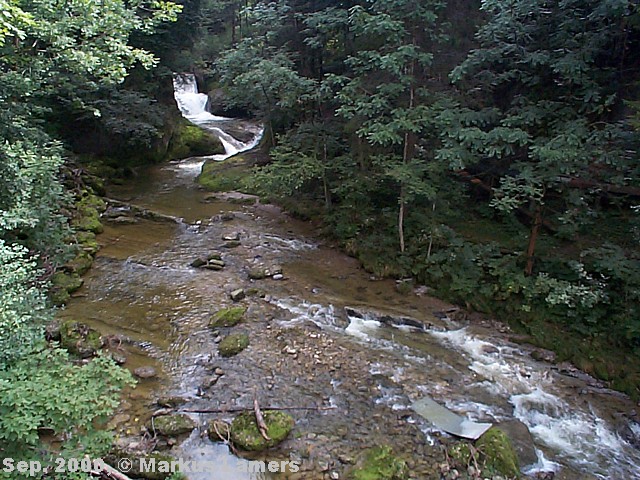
{"x":497,"y":382}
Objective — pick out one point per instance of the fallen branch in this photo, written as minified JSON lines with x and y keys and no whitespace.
{"x":243,"y":409}
{"x":262,"y":426}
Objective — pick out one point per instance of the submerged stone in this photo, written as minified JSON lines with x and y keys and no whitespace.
{"x":198,"y":262}
{"x":233,"y":344}
{"x":246,"y":435}
{"x":257,"y":273}
{"x":227,"y":317}
{"x":172,"y":425}
{"x":145,"y":372}
{"x":232,"y":244}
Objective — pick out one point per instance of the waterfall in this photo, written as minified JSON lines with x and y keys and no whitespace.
{"x":193,"y":106}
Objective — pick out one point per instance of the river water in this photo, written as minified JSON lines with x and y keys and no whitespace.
{"x":327,"y":336}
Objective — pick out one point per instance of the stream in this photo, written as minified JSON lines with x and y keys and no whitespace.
{"x":327,"y":335}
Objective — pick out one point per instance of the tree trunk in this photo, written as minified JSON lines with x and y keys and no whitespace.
{"x":533,"y":238}
{"x":325,"y":183}
{"x":406,"y":155}
{"x":401,"y":220}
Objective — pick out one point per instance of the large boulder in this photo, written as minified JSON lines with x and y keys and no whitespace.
{"x":522,"y":441}
{"x":246,"y":435}
{"x":498,"y":453}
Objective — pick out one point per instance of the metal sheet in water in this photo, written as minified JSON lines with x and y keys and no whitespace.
{"x":448,"y":421}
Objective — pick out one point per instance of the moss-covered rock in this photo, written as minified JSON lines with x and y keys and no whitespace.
{"x":227,"y":317}
{"x":87,"y":214}
{"x":233,"y":344}
{"x":172,"y":425}
{"x":498,"y":454}
{"x":380,"y":463}
{"x":81,"y":263}
{"x":62,"y":286}
{"x":88,"y":242}
{"x":230,"y":175}
{"x":460,"y":453}
{"x":80,"y":339}
{"x":258,"y":273}
{"x":191,"y":141}
{"x":246,"y":435}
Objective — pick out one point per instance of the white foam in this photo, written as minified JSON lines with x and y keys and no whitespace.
{"x":576,"y":434}
{"x":321,"y":315}
{"x":361,"y":327}
{"x":542,"y":465}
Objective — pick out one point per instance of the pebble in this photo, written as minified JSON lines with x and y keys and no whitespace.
{"x":237,"y":295}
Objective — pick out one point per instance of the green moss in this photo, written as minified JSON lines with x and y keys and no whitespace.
{"x":227,"y":317}
{"x":246,"y":435}
{"x":230,"y":175}
{"x":380,"y":463}
{"x":62,"y":285}
{"x":88,"y":242}
{"x":80,"y":339}
{"x":233,"y":344}
{"x":498,"y":454}
{"x":92,"y":201}
{"x":460,"y":453}
{"x":190,"y":141}
{"x":87,"y":214}
{"x":81,"y":263}
{"x":172,"y":425}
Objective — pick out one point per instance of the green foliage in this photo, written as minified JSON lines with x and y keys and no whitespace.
{"x":32,"y":397}
{"x":262,"y":81}
{"x":52,"y":56}
{"x":22,"y":305}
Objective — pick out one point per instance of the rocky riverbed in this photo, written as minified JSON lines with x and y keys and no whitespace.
{"x":347,"y":352}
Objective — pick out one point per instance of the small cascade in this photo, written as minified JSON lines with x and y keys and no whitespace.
{"x":194,"y":107}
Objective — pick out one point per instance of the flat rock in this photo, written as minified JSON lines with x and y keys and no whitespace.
{"x":237,"y":295}
{"x":145,"y":372}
